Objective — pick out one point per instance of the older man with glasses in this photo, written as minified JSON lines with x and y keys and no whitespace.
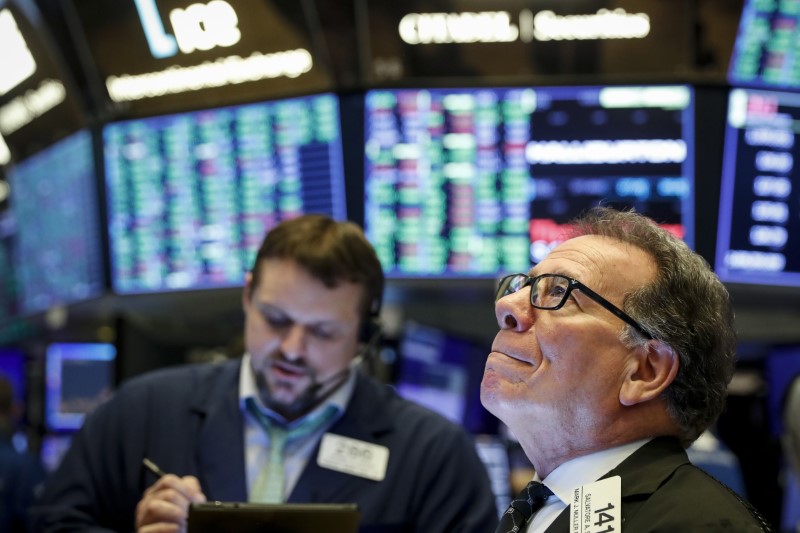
{"x":605,"y":392}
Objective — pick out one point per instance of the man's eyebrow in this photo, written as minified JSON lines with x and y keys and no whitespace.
{"x":559,"y":271}
{"x":268,"y":307}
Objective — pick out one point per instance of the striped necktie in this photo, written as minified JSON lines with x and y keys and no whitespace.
{"x":269,"y":485}
{"x":523,"y":507}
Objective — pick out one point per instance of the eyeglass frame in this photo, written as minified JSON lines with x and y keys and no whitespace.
{"x":572,"y":285}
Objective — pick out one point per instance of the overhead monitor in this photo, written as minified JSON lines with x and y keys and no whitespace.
{"x":78,"y":378}
{"x":39,"y":101}
{"x":781,"y":370}
{"x":12,"y":368}
{"x":8,"y":278}
{"x":190,"y":196}
{"x":161,"y":56}
{"x":481,"y":182}
{"x":765,"y":52}
{"x":456,"y":40}
{"x":53,"y":448}
{"x":758,"y":240}
{"x":58,"y":250}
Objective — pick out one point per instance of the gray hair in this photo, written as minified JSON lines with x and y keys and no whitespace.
{"x":686,"y":306}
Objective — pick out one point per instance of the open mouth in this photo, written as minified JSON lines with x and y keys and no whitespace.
{"x":287,"y":371}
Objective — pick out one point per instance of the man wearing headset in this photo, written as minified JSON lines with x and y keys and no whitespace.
{"x":311,"y":304}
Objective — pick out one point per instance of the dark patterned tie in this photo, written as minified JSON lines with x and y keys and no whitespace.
{"x":528,"y":501}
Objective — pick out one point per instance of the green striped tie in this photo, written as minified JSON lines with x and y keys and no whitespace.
{"x":268,"y":487}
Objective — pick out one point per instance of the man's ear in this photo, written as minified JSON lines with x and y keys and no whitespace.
{"x":247,"y":292}
{"x":653,"y":368}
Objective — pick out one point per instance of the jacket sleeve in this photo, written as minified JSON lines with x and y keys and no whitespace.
{"x":98,"y":483}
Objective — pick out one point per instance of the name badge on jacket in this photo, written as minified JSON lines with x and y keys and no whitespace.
{"x":352,"y":456}
{"x":596,"y":507}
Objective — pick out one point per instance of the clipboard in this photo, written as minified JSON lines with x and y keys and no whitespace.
{"x":276,"y":518}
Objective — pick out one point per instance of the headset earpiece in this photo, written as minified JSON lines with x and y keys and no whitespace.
{"x":371,"y":326}
{"x":370,"y":330}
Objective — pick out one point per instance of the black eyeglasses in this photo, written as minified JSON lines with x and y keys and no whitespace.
{"x":550,"y":292}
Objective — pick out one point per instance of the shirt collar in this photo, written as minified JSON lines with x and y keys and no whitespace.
{"x":247,"y":389}
{"x":587,"y":469}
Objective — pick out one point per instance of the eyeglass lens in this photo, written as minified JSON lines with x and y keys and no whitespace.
{"x":548,"y":292}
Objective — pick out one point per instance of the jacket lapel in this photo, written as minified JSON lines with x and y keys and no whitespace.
{"x":642,"y":473}
{"x":220,"y":441}
{"x":362,"y":420}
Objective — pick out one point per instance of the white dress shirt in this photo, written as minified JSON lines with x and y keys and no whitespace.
{"x":574,"y":473}
{"x":256,"y":440}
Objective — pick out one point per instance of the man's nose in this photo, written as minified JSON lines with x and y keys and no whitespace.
{"x":515,"y":311}
{"x":293,"y":342}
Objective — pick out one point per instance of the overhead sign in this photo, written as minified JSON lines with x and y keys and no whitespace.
{"x":39,"y":104}
{"x":5,"y":155}
{"x":155,"y":56}
{"x":197,"y":27}
{"x":516,"y":38}
{"x":497,"y":26}
{"x":25,"y":108}
{"x":16,"y":63}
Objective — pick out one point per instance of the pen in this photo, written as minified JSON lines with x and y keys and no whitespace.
{"x":151,"y":466}
{"x":154,"y":468}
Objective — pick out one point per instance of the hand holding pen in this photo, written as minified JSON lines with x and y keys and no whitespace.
{"x":151,"y":466}
{"x":165,"y":505}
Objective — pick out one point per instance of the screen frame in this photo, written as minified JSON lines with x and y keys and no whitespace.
{"x":744,"y":281}
{"x":58,"y":352}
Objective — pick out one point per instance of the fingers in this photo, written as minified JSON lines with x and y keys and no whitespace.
{"x":160,"y":528}
{"x":192,"y":489}
{"x":165,"y":505}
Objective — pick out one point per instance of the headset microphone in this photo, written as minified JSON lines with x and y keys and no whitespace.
{"x":357,"y":360}
{"x":369,"y":337}
{"x":363,"y":355}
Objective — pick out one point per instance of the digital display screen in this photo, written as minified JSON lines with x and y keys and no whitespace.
{"x":765,"y":52}
{"x":480,"y":182}
{"x":443,"y":372}
{"x":190,"y":196}
{"x":78,"y":378}
{"x":8,"y":278}
{"x":12,"y":368}
{"x":758,"y":238}
{"x":781,"y":369}
{"x":58,"y":252}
